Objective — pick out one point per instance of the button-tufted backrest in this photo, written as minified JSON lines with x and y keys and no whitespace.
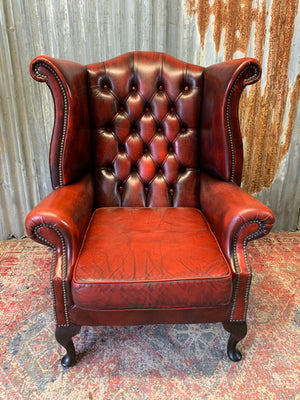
{"x":145,"y":112}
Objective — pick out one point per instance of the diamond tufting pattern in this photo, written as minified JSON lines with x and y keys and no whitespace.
{"x":145,"y":111}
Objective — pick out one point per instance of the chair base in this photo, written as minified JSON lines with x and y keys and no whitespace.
{"x":238,"y":331}
{"x":64,"y":337}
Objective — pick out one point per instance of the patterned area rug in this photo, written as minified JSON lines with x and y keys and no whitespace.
{"x":156,"y":361}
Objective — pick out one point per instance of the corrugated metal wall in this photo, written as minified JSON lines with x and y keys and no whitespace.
{"x":197,"y":31}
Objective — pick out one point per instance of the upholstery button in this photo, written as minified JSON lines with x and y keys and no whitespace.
{"x":121,"y":188}
{"x":160,"y":87}
{"x":183,"y":129}
{"x":134,"y":168}
{"x":146,"y":188}
{"x":171,"y":149}
{"x":121,"y":147}
{"x":172,"y":109}
{"x":109,"y":169}
{"x":147,"y":109}
{"x":105,"y":87}
{"x":146,"y":150}
{"x":186,"y":88}
{"x":133,"y":88}
{"x":122,"y":108}
{"x":160,"y":171}
{"x":159,"y":129}
{"x":171,"y":191}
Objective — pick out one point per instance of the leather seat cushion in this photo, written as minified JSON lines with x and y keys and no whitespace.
{"x":150,"y":258}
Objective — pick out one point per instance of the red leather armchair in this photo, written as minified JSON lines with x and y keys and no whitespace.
{"x":146,"y":219}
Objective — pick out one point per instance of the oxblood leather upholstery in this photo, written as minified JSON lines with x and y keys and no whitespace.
{"x":145,"y":140}
{"x":145,"y":261}
{"x":146,"y":220}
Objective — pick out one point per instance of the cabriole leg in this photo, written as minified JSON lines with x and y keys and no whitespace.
{"x":64,"y":337}
{"x":238,"y":331}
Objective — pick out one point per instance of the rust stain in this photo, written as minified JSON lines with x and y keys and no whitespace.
{"x":262,"y":113}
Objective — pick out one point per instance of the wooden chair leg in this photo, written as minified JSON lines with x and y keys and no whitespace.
{"x":64,"y":337}
{"x":238,"y":331}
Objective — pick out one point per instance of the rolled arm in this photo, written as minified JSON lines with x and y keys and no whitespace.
{"x":229,"y":210}
{"x":235,"y":217}
{"x":65,"y":212}
{"x":221,"y":143}
{"x":60,"y":222}
{"x":70,"y":144}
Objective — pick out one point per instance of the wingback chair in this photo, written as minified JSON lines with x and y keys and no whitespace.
{"x":147,"y":222}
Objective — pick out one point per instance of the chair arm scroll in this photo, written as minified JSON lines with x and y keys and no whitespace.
{"x":232,"y":213}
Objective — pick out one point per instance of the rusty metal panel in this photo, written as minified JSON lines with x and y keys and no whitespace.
{"x":269,"y":111}
{"x":198,"y":31}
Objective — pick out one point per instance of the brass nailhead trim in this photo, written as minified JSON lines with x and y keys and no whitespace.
{"x":64,"y":268}
{"x":237,"y":269}
{"x":227,"y":113}
{"x":65,"y":112}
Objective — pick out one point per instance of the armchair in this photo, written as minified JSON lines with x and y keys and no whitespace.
{"x":146,"y":219}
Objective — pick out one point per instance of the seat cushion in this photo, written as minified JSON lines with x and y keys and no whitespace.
{"x":149,"y":258}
